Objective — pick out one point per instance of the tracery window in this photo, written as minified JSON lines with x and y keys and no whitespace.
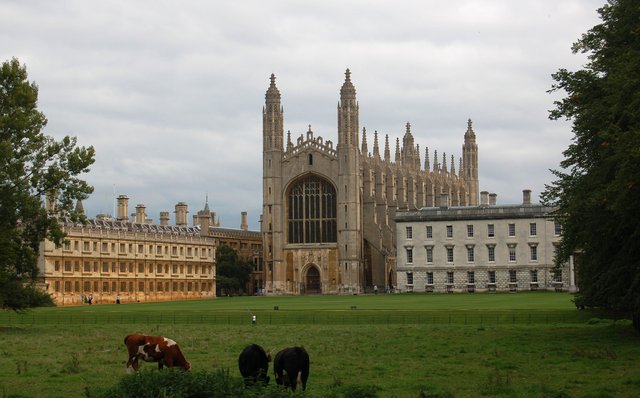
{"x":312,"y":211}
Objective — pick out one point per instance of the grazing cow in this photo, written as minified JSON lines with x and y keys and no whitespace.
{"x":254,"y":364}
{"x":291,"y":366}
{"x":154,"y":349}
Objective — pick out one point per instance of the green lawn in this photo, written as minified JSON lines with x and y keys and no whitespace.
{"x":417,"y":301}
{"x":580,"y":356}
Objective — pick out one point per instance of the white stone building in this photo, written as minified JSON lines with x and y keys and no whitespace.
{"x":479,"y":248}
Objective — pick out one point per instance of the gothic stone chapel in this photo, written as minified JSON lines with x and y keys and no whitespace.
{"x":327,"y":221}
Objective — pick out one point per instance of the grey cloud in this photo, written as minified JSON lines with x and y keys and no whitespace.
{"x":170,"y":94}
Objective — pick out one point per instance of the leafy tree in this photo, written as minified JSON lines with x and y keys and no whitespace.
{"x":598,"y":189}
{"x":32,"y":166}
{"x":232,"y":274}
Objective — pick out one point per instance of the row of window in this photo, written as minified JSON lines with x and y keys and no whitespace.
{"x":124,"y":267}
{"x":128,"y":287}
{"x":471,"y":253}
{"x":491,"y":230}
{"x":125,"y":248}
{"x":491,"y":277}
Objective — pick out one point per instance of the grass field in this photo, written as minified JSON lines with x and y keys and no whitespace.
{"x":490,"y":346}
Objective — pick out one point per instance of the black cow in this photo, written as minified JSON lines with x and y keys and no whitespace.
{"x":291,"y":366}
{"x":254,"y":364}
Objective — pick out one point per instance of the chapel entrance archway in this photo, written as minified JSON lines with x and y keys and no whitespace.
{"x":312,"y":283}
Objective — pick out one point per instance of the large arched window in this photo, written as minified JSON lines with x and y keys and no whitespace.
{"x":312,"y":211}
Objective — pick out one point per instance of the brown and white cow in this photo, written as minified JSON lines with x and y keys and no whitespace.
{"x":162,"y":350}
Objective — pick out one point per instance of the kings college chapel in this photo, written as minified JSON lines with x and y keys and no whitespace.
{"x":328,"y":211}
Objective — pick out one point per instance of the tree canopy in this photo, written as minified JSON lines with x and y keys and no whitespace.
{"x":597,"y":189}
{"x":232,"y":274}
{"x":32,"y":166}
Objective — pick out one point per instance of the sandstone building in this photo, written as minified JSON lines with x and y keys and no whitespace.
{"x":135,"y":260}
{"x":480,"y":248}
{"x":328,"y":211}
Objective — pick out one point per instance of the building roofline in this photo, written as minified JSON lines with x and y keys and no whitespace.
{"x":475,"y":213}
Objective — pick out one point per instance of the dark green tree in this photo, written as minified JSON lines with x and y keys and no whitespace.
{"x":597,"y":189}
{"x":32,"y":166}
{"x":232,"y":274}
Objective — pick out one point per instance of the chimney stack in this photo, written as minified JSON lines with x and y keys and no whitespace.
{"x":484,"y":199}
{"x":164,"y":218}
{"x":214,"y":219}
{"x":123,"y":208}
{"x":492,"y":199}
{"x":526,"y":197}
{"x":181,"y":214}
{"x":243,"y":221}
{"x":140,"y":216}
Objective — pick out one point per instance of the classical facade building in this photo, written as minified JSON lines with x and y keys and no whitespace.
{"x":136,"y":260}
{"x":328,"y":211}
{"x":479,"y":248}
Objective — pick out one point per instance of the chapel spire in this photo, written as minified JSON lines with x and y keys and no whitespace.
{"x":365,"y":150}
{"x":272,"y":118}
{"x":408,"y":148}
{"x":273,"y":94}
{"x":426,"y":158}
{"x":348,"y":91}
{"x":348,"y":119}
{"x":376,"y":149}
{"x":435,"y":161}
{"x":453,"y":166}
{"x":289,"y":143}
{"x":387,"y":153}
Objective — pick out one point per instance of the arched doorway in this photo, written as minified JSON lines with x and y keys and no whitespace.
{"x":312,"y":281}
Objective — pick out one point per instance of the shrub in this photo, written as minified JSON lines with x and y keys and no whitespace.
{"x":176,"y":383}
{"x":39,"y":298}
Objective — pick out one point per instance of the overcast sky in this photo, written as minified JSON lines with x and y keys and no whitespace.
{"x":170,"y":93}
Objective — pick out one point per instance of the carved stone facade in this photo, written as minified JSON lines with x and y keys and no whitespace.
{"x":480,"y":248}
{"x":328,"y":211}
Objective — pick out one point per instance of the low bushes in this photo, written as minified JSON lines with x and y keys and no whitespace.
{"x":176,"y":383}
